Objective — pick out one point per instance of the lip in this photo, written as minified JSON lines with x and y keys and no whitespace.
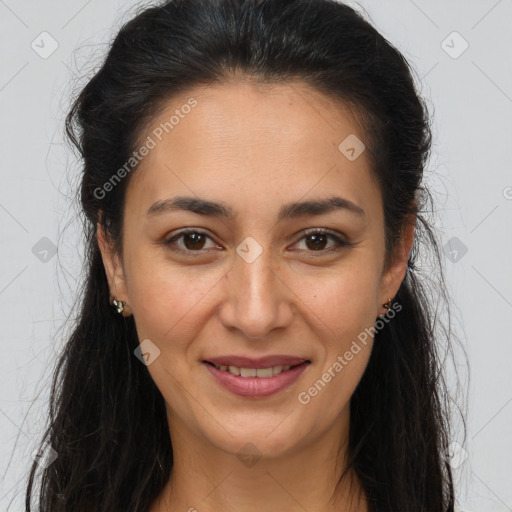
{"x":256,"y":387}
{"x":261,"y":362}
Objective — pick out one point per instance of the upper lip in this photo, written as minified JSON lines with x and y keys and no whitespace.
{"x":261,"y":362}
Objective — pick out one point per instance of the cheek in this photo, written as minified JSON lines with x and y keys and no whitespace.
{"x":347,"y":313}
{"x":168,"y":301}
{"x":342,"y":306}
{"x":344,"y":300}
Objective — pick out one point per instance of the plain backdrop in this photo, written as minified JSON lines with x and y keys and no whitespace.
{"x":461,"y":54}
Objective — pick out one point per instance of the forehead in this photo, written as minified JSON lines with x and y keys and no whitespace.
{"x":253,"y":141}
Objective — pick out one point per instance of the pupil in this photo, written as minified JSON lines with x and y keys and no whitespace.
{"x":316,"y":239}
{"x":190,"y":236}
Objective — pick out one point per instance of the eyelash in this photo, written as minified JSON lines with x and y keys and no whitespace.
{"x":339,"y":242}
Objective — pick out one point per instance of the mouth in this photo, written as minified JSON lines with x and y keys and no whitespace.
{"x":251,"y":378}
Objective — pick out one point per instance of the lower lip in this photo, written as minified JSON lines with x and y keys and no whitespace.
{"x":256,"y":387}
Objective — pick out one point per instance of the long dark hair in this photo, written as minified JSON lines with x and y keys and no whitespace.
{"x":107,"y":419}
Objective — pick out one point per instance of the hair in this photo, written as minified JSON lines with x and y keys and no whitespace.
{"x":107,"y":419}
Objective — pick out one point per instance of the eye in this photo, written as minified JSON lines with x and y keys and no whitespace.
{"x":315,"y":240}
{"x":193,"y":240}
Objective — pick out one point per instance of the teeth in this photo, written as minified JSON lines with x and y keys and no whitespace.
{"x":234,"y":370}
{"x":262,"y":373}
{"x":248,"y":372}
{"x":277,"y":369}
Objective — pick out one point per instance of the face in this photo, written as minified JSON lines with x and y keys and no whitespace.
{"x":259,"y":273}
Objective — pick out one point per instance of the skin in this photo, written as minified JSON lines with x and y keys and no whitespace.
{"x":255,"y":148}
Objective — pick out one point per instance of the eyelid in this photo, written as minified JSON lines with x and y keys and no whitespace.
{"x":322,"y":231}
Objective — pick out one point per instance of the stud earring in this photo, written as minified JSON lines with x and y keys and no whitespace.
{"x":119,"y":305}
{"x":387,"y":304}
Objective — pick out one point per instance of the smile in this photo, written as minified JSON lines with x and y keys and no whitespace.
{"x":255,"y":382}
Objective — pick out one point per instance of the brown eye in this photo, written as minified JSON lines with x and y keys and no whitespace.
{"x":191,"y":240}
{"x":316,"y":241}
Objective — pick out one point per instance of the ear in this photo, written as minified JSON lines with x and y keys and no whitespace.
{"x":395,"y":273}
{"x":113,"y":267}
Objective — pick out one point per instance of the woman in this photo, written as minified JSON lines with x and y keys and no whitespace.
{"x":253,"y":332}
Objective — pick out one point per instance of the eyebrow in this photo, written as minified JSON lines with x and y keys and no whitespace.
{"x":221,"y":210}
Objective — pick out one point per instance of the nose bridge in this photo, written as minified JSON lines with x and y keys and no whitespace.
{"x":257,"y":302}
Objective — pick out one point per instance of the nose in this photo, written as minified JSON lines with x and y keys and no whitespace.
{"x":258,"y":299}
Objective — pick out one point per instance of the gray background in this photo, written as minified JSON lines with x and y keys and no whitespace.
{"x":470,"y":94}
